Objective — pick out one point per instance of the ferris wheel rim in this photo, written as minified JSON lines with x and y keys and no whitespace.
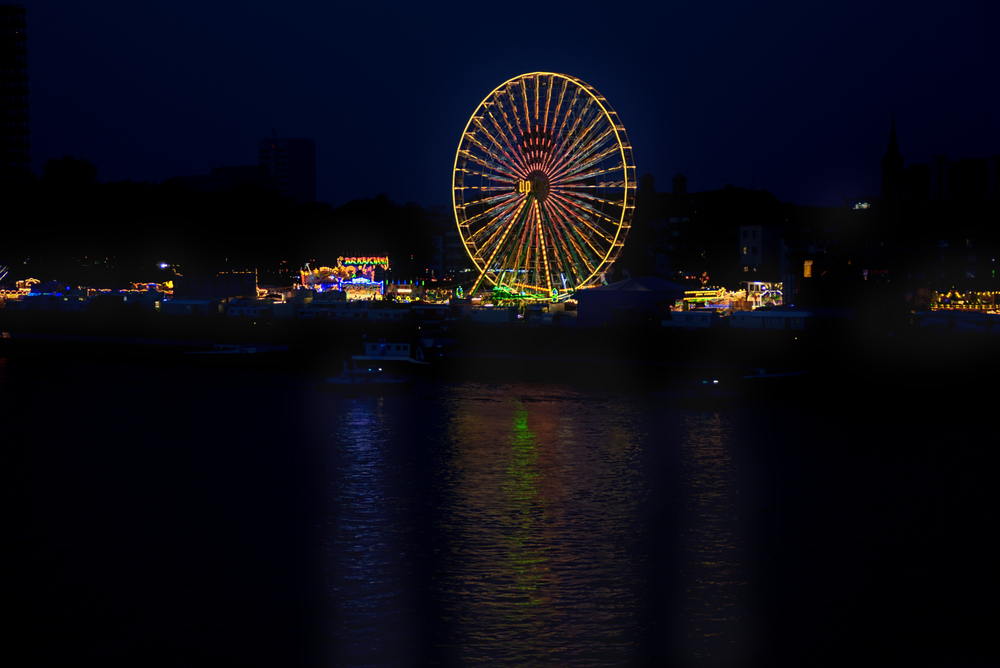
{"x":612,"y":239}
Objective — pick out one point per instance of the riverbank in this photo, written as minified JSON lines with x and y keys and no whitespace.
{"x":837,"y":357}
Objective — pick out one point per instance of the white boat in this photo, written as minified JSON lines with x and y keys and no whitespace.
{"x":396,"y":355}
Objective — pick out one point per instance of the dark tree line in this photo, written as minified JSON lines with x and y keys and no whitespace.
{"x":65,"y":225}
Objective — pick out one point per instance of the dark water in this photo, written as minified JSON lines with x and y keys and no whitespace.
{"x":180,"y":515}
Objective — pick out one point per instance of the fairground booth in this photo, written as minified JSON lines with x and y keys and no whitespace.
{"x":361,"y":278}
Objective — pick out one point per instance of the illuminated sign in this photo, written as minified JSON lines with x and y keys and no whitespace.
{"x":348,"y":270}
{"x":365,"y":261}
{"x":704,"y":295}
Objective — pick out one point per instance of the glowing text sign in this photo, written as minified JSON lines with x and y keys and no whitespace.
{"x":366,"y":261}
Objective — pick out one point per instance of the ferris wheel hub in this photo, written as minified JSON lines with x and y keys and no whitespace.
{"x":537,"y":183}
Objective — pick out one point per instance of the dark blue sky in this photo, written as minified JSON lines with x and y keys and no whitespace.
{"x":793,"y":97}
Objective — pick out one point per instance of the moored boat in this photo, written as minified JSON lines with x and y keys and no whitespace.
{"x":366,"y":378}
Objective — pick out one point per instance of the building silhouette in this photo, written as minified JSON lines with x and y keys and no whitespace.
{"x":15,"y":155}
{"x":292,"y":162}
{"x":892,"y":174}
{"x":936,"y":226}
{"x":450,"y":257}
{"x":229,"y":178}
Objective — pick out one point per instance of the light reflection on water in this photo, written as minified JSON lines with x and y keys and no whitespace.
{"x":362,"y":555}
{"x":713,"y":547}
{"x":542,"y":513}
{"x":508,"y":524}
{"x":544,"y":524}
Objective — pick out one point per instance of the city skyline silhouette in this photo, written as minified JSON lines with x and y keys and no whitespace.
{"x":797,"y":102}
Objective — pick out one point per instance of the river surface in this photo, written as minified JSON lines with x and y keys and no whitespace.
{"x":167,"y":514}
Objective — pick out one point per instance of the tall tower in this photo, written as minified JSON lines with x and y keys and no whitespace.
{"x":292,"y":162}
{"x":15,"y":157}
{"x":892,"y":173}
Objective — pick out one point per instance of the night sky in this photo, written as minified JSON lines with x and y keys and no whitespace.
{"x":796,"y":98}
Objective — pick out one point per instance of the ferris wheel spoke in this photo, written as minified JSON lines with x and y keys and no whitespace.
{"x":525,"y":269}
{"x":488,"y":201}
{"x":499,"y":233}
{"x":587,"y":135}
{"x":548,"y":103}
{"x":583,"y":188}
{"x":587,"y":209}
{"x":524,"y":101}
{"x":491,"y":176}
{"x":571,"y":153}
{"x":479,"y":231}
{"x":558,"y":110}
{"x":590,"y":253}
{"x":501,"y":152}
{"x":486,"y":236}
{"x":537,"y":96}
{"x":581,"y":262}
{"x":504,"y":189}
{"x":590,"y":197}
{"x":493,"y":212}
{"x":602,"y":143}
{"x":586,"y":116}
{"x":594,"y":156}
{"x":514,"y":252}
{"x":510,"y":128}
{"x":595,"y":142}
{"x":594,"y":173}
{"x":510,"y":149}
{"x":590,"y":242}
{"x":565,"y":116}
{"x":556,"y":235}
{"x":539,"y":233}
{"x":514,"y":112}
{"x":586,"y":200}
{"x":498,"y":160}
{"x":583,"y":115}
{"x":488,"y":164}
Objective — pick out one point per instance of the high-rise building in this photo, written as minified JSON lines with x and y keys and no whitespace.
{"x":892,"y":174}
{"x":15,"y":160}
{"x":292,"y":162}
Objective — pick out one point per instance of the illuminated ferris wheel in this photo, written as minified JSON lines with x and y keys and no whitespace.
{"x":543,"y":187}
